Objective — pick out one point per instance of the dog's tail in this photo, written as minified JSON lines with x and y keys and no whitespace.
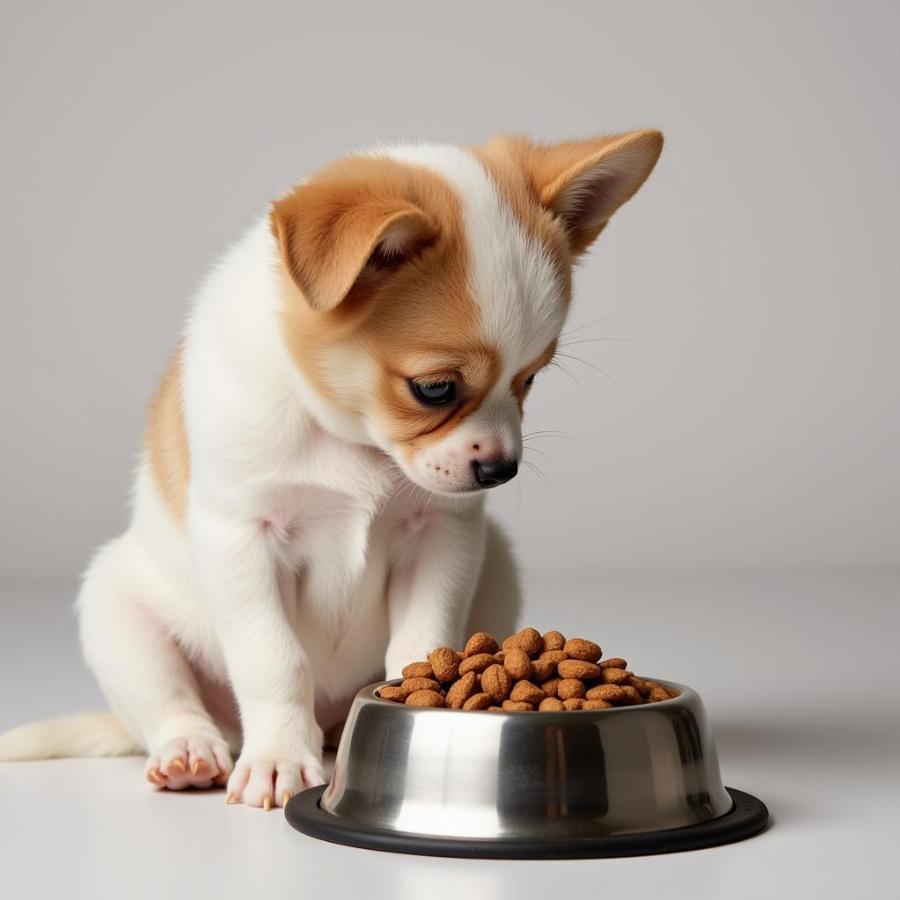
{"x":90,"y":734}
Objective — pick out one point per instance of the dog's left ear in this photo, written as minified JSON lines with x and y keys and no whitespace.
{"x":585,"y":182}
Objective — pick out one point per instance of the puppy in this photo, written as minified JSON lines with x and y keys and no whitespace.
{"x":309,"y":504}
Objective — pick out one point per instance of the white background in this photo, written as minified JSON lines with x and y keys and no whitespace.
{"x":749,"y":412}
{"x":727,"y":510}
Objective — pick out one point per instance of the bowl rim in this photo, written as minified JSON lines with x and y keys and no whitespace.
{"x":686,"y":696}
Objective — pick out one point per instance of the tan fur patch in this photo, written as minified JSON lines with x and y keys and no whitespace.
{"x":418,"y":319}
{"x":519,"y":390}
{"x":166,"y":440}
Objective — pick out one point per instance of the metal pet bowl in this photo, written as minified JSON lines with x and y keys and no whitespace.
{"x":626,"y":781}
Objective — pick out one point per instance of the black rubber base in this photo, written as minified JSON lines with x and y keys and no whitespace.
{"x":749,"y":816}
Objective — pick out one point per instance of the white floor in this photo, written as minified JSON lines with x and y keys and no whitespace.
{"x":799,"y":673}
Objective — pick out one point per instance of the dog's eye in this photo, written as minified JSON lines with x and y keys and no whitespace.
{"x":434,"y":394}
{"x":529,"y":381}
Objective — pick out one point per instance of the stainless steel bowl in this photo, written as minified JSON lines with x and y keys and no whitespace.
{"x":516,"y":784}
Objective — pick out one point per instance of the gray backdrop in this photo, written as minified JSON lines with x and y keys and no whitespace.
{"x":744,"y":309}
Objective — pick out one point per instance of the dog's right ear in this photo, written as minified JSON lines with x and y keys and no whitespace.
{"x":339,"y":231}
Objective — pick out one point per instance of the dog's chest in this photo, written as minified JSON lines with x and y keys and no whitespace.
{"x":322,"y":532}
{"x":335,"y":553}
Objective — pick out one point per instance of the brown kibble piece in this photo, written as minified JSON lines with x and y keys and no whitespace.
{"x":613,"y":676}
{"x":554,"y":656}
{"x":495,"y":709}
{"x":569,"y":688}
{"x":550,"y":686}
{"x":425,"y":698}
{"x":641,"y":686}
{"x":517,"y":663}
{"x":614,"y":662}
{"x":444,"y":663}
{"x":658,"y":694}
{"x":395,"y":693}
{"x":669,"y":693}
{"x":461,"y":690}
{"x":542,"y":670}
{"x":530,"y":641}
{"x":553,"y":640}
{"x":517,"y":706}
{"x":611,"y":693}
{"x":480,"y":642}
{"x":476,"y":663}
{"x":496,"y":681}
{"x":578,"y":668}
{"x":574,"y":703}
{"x":551,"y":704}
{"x":632,"y":697}
{"x":597,"y":704}
{"x":579,"y":648}
{"x":526,"y":692}
{"x":418,"y":670}
{"x":478,"y":701}
{"x":420,"y":684}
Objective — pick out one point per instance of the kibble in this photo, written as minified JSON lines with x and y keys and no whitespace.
{"x":579,"y":648}
{"x":497,"y":682}
{"x":418,"y":670}
{"x":444,"y":663}
{"x":553,"y":640}
{"x":526,"y":672}
{"x":478,"y":701}
{"x":480,"y":642}
{"x":518,"y":663}
{"x":578,"y":668}
{"x":569,"y":688}
{"x":461,"y":690}
{"x":526,"y":692}
{"x":425,"y":698}
{"x":420,"y":684}
{"x":478,"y":662}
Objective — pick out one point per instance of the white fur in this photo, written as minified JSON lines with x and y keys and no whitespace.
{"x":521,"y":308}
{"x":308,"y":563}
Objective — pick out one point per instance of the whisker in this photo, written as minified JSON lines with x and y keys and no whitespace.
{"x":537,"y":472}
{"x":599,"y":340}
{"x":558,"y":365}
{"x":561,"y":435}
{"x":584,"y":362}
{"x":531,"y":449}
{"x":586,"y":325}
{"x":548,"y":432}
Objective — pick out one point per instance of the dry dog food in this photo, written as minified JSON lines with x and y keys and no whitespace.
{"x":528,"y":671}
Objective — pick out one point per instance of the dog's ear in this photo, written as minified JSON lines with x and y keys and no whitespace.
{"x":584,"y":182}
{"x":335,"y":233}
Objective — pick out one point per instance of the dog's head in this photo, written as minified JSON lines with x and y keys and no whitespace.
{"x":427,"y":285}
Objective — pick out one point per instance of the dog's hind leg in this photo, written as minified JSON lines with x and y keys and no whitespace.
{"x":144,"y":673}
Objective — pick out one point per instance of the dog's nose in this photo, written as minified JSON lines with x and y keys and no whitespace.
{"x":491,"y":472}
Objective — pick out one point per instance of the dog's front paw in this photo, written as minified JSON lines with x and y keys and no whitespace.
{"x":266,"y":782}
{"x":199,"y":761}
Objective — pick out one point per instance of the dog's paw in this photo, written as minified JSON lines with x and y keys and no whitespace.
{"x":268,"y":782}
{"x":198,"y":761}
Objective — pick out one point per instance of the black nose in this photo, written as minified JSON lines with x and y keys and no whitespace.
{"x":491,"y":472}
